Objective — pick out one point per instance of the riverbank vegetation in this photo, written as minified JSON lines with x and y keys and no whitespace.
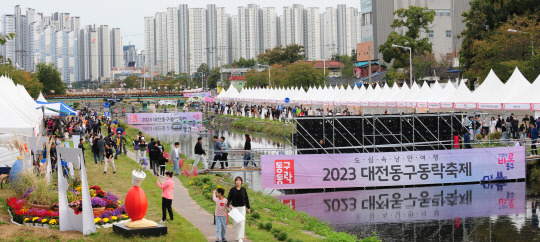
{"x":270,"y":127}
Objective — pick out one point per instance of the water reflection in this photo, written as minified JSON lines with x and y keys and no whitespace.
{"x":460,"y":213}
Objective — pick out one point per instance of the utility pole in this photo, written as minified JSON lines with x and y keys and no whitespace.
{"x":369,"y":68}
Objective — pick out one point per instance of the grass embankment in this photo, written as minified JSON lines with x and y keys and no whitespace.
{"x":270,"y":220}
{"x":254,"y":124}
{"x":178,"y":230}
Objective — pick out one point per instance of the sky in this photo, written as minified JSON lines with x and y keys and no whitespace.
{"x":128,"y":15}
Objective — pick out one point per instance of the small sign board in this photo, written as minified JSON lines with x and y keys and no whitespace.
{"x":287,"y":100}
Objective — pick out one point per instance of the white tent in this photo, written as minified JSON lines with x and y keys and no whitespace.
{"x":489,"y":93}
{"x":462,"y":98}
{"x":41,"y":98}
{"x":516,"y":88}
{"x":533,"y":94}
{"x":16,"y":106}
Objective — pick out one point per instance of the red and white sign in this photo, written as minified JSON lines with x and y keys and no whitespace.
{"x":284,"y":170}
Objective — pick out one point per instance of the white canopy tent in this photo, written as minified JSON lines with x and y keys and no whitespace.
{"x":517,"y":94}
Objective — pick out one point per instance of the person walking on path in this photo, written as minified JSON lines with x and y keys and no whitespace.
{"x":142,"y":147}
{"x":200,"y":155}
{"x":119,"y":141}
{"x":135,"y":144}
{"x":174,"y":157}
{"x":95,"y":150}
{"x":238,"y":198}
{"x":224,"y":148}
{"x":110,"y":159}
{"x":81,"y":146}
{"x":166,"y":196}
{"x":534,"y":138}
{"x":221,"y":213}
{"x":101,"y":148}
{"x":217,"y":153}
{"x":247,"y":151}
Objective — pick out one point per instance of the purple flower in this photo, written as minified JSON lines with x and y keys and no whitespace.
{"x":98,"y":202}
{"x":111,"y":197}
{"x":28,"y":192}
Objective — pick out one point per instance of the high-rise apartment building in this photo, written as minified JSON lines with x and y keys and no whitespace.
{"x":377,"y":16}
{"x":329,"y":39}
{"x":117,"y":49}
{"x":149,"y":43}
{"x":223,"y":48}
{"x":161,"y":52}
{"x":269,"y":28}
{"x":197,"y":38}
{"x":173,"y":53}
{"x":79,"y":54}
{"x":313,"y":34}
{"x":211,"y":36}
{"x":183,"y":37}
{"x":104,"y":51}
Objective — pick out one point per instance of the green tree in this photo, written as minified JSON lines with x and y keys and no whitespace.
{"x":502,"y":51}
{"x":27,"y":79}
{"x":279,"y":55}
{"x":414,"y":19}
{"x":132,"y":82}
{"x":304,"y":74}
{"x":214,"y":78}
{"x":49,"y":76}
{"x":5,"y":38}
{"x":244,"y":63}
{"x":484,"y":16}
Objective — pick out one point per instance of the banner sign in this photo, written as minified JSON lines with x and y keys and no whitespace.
{"x":197,"y":94}
{"x":163,"y":118}
{"x":517,"y":106}
{"x":536,"y":106}
{"x":465,"y":105}
{"x":490,"y":106}
{"x":392,"y":168}
{"x":397,"y":205}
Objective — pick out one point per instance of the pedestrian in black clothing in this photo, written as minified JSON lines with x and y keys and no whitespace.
{"x":81,"y":146}
{"x":217,"y":153}
{"x":238,"y":198}
{"x":200,"y":155}
{"x":247,"y":151}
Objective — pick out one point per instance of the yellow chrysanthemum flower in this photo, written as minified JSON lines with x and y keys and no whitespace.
{"x":106,"y":220}
{"x":52,"y":222}
{"x":26,"y":219}
{"x":114,"y":218}
{"x":34,"y":219}
{"x":44,"y":220}
{"x":96,"y":220}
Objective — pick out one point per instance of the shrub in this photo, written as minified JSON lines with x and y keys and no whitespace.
{"x":479,"y":136}
{"x":256,"y":215}
{"x":282,"y":236}
{"x":268,"y":226}
{"x":260,"y":225}
{"x":43,"y":194}
{"x":496,"y":135}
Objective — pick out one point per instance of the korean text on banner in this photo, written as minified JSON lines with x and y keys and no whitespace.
{"x":163,"y":118}
{"x":392,"y":169}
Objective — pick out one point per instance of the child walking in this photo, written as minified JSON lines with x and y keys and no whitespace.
{"x":221,"y":213}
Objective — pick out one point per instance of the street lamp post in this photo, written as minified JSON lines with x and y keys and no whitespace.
{"x":410,"y":60}
{"x":268,"y":72}
{"x":532,"y":40}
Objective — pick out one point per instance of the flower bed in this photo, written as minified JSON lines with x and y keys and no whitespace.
{"x":107,"y":208}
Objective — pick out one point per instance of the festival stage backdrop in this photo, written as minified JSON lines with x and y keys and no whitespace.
{"x":163,"y":118}
{"x":411,"y":204}
{"x":197,"y":94}
{"x":392,"y":169}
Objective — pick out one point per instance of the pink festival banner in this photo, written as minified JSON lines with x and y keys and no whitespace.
{"x":197,"y":94}
{"x":163,"y":118}
{"x":392,"y":168}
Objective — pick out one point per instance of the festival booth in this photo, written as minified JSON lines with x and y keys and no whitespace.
{"x":55,"y":109}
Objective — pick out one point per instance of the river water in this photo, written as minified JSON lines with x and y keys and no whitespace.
{"x":472,"y":212}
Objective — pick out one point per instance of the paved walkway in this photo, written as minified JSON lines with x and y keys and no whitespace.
{"x":189,"y":209}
